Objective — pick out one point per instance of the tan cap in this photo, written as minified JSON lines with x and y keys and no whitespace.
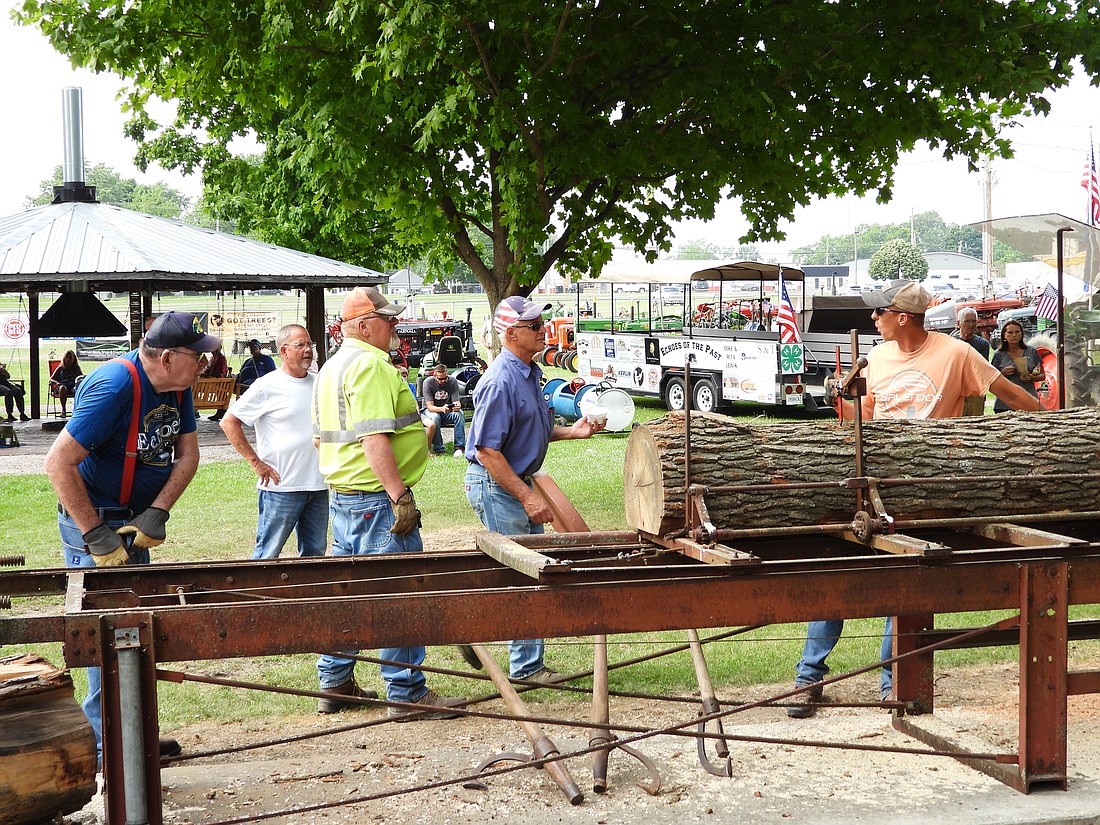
{"x":364,"y":300}
{"x":908,"y":296}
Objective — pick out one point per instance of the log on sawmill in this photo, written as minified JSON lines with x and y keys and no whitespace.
{"x":728,"y":452}
{"x":47,"y":748}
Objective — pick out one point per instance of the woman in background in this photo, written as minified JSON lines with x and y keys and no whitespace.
{"x":1017,"y":361}
{"x":65,"y":378}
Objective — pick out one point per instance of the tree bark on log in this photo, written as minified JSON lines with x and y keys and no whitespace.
{"x":727,"y":452}
{"x":47,"y":748}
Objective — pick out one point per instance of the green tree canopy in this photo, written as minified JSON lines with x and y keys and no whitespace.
{"x":152,"y":199}
{"x":898,"y":259}
{"x":559,"y":129}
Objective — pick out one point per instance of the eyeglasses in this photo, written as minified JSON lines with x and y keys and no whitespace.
{"x":389,"y":319}
{"x":305,"y":345}
{"x":197,"y":356}
{"x":535,"y":327}
{"x":877,"y":311}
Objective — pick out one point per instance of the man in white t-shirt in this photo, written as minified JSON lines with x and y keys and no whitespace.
{"x":292,"y":491}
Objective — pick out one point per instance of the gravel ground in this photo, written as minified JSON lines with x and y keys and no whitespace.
{"x":771,"y":783}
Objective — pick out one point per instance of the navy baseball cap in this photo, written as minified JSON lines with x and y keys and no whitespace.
{"x":180,"y":329}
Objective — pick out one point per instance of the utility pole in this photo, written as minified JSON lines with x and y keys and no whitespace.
{"x":987,"y":239}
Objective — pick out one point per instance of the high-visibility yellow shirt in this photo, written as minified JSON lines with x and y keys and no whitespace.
{"x":358,"y":392}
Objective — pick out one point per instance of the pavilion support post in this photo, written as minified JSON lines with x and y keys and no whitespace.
{"x":36,"y":354}
{"x":315,"y":320}
{"x":1044,"y":661}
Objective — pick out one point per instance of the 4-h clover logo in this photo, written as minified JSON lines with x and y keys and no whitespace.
{"x":790,"y":359}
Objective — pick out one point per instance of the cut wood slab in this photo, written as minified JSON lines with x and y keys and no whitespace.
{"x":728,"y":452}
{"x":47,"y":748}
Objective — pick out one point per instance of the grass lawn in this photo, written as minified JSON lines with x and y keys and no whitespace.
{"x":215,"y":520}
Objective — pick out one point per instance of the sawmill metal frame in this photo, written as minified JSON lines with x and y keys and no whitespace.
{"x":561,"y":585}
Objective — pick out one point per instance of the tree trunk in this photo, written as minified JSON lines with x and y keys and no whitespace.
{"x":47,"y":749}
{"x":726,"y":452}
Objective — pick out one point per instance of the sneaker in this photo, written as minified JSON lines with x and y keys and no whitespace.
{"x":460,"y":453}
{"x":431,"y":699}
{"x":11,"y":418}
{"x":546,"y":676}
{"x":22,"y":417}
{"x":815,"y":697}
{"x":469,"y":657}
{"x":169,"y":747}
{"x":348,"y":688}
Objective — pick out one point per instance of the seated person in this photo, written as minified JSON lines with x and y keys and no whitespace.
{"x":13,"y":395}
{"x":443,"y":406}
{"x":217,"y":367}
{"x":65,"y":378}
{"x":256,"y":365}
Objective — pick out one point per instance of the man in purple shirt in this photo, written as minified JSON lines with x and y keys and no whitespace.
{"x":509,"y":435}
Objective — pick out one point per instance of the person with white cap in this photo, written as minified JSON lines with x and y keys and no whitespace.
{"x":372,"y":452}
{"x":509,"y":436}
{"x":913,"y":374}
{"x":125,"y":457}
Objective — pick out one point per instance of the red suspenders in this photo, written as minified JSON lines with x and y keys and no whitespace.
{"x":129,"y":465}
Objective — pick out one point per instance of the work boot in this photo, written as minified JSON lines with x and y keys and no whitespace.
{"x":169,"y":747}
{"x":431,"y":699}
{"x":814,"y":698}
{"x":546,"y":676}
{"x":469,"y":657}
{"x":348,"y":688}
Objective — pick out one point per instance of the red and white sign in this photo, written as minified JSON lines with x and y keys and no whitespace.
{"x":14,"y":329}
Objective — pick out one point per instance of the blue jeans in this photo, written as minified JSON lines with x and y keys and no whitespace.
{"x":361,"y":525}
{"x":502,"y":513}
{"x":305,"y":512}
{"x":74,"y":554}
{"x":451,"y":419}
{"x":821,"y":638}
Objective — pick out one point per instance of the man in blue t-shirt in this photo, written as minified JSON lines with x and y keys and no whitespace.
{"x":509,"y":436}
{"x":107,"y":516}
{"x":258,"y":364}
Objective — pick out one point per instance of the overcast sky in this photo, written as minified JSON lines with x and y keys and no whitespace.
{"x":1045,"y":176}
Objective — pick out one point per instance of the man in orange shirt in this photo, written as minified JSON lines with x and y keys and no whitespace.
{"x":912,"y":374}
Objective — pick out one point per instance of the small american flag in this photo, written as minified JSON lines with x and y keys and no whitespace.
{"x":1090,"y":184}
{"x":788,"y":328}
{"x":1047,"y":306}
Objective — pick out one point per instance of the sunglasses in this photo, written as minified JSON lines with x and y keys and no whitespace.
{"x":535,"y":327}
{"x":877,"y":311}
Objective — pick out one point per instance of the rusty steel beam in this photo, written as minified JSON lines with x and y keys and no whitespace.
{"x":249,"y":627}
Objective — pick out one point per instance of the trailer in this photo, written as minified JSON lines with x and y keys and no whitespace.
{"x":731,"y":340}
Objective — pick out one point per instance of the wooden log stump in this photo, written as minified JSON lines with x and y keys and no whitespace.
{"x":728,"y":452}
{"x":47,"y":748}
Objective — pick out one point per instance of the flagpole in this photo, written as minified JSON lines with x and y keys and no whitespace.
{"x":1060,"y":320}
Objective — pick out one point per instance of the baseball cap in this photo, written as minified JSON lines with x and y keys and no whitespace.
{"x":364,"y":300}
{"x":180,"y":329}
{"x":515,"y":309}
{"x":908,"y":296}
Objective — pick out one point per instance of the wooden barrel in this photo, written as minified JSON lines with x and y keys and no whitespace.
{"x":729,"y":452}
{"x":47,"y":748}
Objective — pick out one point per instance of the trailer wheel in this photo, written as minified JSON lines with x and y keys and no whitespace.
{"x":704,"y":396}
{"x":674,"y":396}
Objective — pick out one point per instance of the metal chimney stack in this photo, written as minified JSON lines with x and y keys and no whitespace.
{"x":73,"y":188}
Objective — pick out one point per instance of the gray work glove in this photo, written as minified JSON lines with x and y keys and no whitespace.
{"x":405,"y":515}
{"x":147,"y":528}
{"x":106,"y":547}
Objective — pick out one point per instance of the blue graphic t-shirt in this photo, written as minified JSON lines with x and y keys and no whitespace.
{"x":101,"y":423}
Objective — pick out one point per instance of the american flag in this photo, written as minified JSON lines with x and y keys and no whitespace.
{"x":1089,"y":182}
{"x":1047,"y":306}
{"x":788,"y":328}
